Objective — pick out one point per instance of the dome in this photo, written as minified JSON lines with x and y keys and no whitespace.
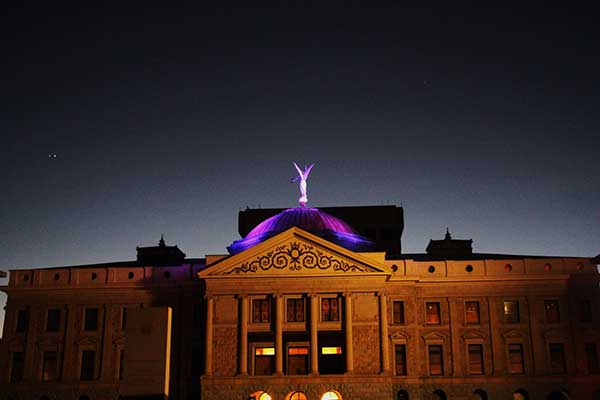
{"x":311,"y":220}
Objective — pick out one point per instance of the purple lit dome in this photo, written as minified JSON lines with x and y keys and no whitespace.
{"x":311,"y":220}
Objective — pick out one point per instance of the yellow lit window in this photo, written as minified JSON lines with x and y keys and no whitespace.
{"x":265,"y":351}
{"x":331,"y":350}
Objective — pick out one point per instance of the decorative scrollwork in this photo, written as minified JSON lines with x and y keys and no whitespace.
{"x":294,"y":257}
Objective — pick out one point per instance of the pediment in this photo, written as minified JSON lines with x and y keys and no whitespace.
{"x":433,"y":336}
{"x":400,"y":335}
{"x":86,"y":341}
{"x":294,"y":252}
{"x":513,"y":334}
{"x":555,"y":334}
{"x":474,"y":334}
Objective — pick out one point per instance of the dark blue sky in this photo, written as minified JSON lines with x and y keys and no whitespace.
{"x":170,"y":121}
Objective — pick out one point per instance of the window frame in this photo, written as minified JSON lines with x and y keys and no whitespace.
{"x":547,"y":314}
{"x":517,"y":313}
{"x":27,"y":314}
{"x":269,"y":302}
{"x":508,"y":358}
{"x":287,"y":356}
{"x":478,"y":321}
{"x":439,"y":312}
{"x":59,"y":326}
{"x":98,"y":318}
{"x":94,"y":376}
{"x":43,"y":352}
{"x":429,"y":345}
{"x":403,"y":312}
{"x":329,"y":298}
{"x":253,"y":346}
{"x":481,"y":346}
{"x":295,"y":299}
{"x":564,"y":369}
{"x":403,"y":345}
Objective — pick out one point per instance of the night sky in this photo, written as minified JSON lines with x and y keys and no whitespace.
{"x":119,"y":125}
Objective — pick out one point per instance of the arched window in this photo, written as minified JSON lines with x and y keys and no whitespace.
{"x":402,"y":395}
{"x":480,"y":394}
{"x":260,"y":395}
{"x":520,"y":394}
{"x":297,"y":396}
{"x":331,"y":395}
{"x":439,"y":394}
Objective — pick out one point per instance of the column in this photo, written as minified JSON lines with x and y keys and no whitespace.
{"x":243,"y":367}
{"x":348,"y":333}
{"x":383,"y":340}
{"x":278,"y":334}
{"x":209,"y":336}
{"x":314,"y":347}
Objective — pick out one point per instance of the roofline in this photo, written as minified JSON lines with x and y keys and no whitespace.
{"x":131,"y":263}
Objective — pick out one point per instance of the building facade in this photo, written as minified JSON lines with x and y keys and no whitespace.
{"x":302,"y":309}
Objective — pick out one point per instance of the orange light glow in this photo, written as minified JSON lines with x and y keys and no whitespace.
{"x":264,"y":351}
{"x":331,"y":350}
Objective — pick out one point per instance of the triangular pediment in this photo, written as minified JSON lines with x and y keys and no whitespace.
{"x":295,"y":252}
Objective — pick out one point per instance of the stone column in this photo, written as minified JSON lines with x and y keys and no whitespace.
{"x":243,"y":367}
{"x":209,"y":335}
{"x":348,"y":333}
{"x":278,"y":334}
{"x":314,"y":347}
{"x":383,"y":340}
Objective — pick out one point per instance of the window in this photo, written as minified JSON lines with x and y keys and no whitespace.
{"x":22,"y":320}
{"x":472,"y":312}
{"x":121,"y":363}
{"x":50,"y":366}
{"x":552,"y":313}
{"x":330,"y":309}
{"x":260,"y":395}
{"x":476,"y":359}
{"x":591,"y":355}
{"x":53,"y":320}
{"x":511,"y":312}
{"x":436,"y":360}
{"x":88,"y":361}
{"x":264,"y":360}
{"x":261,"y":310}
{"x":17,"y":367}
{"x":124,"y":318}
{"x":433,"y":313}
{"x":557,"y":358}
{"x":400,"y":354}
{"x":331,"y":395}
{"x":90,"y":319}
{"x":297,"y":396}
{"x":295,"y":310}
{"x":585,"y":311}
{"x":515,"y":358}
{"x":297,"y":360}
{"x":398,"y":312}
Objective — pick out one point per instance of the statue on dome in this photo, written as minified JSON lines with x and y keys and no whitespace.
{"x":302,"y":177}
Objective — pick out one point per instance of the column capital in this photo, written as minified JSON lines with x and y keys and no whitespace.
{"x":312,"y":294}
{"x":277,"y":295}
{"x":348,"y":294}
{"x":241,"y":296}
{"x":382,"y":293}
{"x":209,"y":297}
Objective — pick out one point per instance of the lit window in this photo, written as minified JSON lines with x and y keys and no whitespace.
{"x":433,"y":313}
{"x":511,"y":312}
{"x":557,"y":358}
{"x":398,"y":312}
{"x":264,"y":360}
{"x":91,"y":319}
{"x":331,"y":350}
{"x":331,"y":395}
{"x":552,"y":312}
{"x":88,"y":365}
{"x":49,"y":366}
{"x":475,"y":359}
{"x":260,"y":395}
{"x":17,"y":367}
{"x":297,"y":360}
{"x":472,"y":312}
{"x":53,"y":320}
{"x":261,"y":310}
{"x":330,"y":310}
{"x":591,"y":354}
{"x":22,"y":320}
{"x":515,"y":358}
{"x":295,"y":310}
{"x":436,"y":360}
{"x":400,"y":353}
{"x":297,"y":396}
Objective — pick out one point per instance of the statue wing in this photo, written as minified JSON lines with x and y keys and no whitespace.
{"x":307,"y":170}
{"x":298,"y":169}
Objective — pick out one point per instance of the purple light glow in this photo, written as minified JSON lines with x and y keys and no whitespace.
{"x":309,"y":219}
